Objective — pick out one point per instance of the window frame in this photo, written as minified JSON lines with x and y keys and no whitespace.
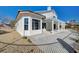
{"x":26,"y":23}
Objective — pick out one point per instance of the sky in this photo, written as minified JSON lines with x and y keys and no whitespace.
{"x":64,"y":13}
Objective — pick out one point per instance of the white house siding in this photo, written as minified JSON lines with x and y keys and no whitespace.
{"x":19,"y":26}
{"x":49,"y":15}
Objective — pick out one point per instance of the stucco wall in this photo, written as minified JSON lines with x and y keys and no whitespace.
{"x":19,"y":27}
{"x":49,"y":15}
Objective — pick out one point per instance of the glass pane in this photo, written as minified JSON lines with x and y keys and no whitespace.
{"x":25,"y":21}
{"x":35,"y":24}
{"x":25,"y":27}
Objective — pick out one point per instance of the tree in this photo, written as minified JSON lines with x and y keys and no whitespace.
{"x":12,"y":23}
{"x":6,"y":20}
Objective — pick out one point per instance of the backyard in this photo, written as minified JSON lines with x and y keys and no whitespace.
{"x":11,"y":41}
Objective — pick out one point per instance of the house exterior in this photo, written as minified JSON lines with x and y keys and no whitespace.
{"x":32,"y":23}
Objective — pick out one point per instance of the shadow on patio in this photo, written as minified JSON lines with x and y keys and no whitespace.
{"x":66,"y":46}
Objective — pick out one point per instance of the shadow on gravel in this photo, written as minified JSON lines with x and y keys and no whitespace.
{"x":66,"y":46}
{"x":74,"y":39}
{"x":3,"y":32}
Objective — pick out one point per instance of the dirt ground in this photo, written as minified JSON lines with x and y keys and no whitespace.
{"x":9,"y":43}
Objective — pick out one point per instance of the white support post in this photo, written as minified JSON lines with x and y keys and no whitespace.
{"x":58,"y":26}
{"x":52,"y":27}
{"x":64,"y":26}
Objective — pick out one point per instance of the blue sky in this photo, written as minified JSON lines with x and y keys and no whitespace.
{"x":64,"y":13}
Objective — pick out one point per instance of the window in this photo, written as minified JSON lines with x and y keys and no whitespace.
{"x":35,"y":24}
{"x":60,"y":26}
{"x":25,"y":23}
{"x":54,"y":17}
{"x":43,"y":25}
{"x":54,"y":26}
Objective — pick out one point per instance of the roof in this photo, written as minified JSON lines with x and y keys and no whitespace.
{"x":41,"y":12}
{"x":28,"y":13}
{"x":45,"y":11}
{"x":60,"y":21}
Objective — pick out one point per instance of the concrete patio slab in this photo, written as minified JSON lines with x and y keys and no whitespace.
{"x":49,"y":43}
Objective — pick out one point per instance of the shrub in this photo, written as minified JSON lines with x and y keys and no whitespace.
{"x":24,"y":37}
{"x":3,"y":32}
{"x":77,"y":41}
{"x":29,"y":41}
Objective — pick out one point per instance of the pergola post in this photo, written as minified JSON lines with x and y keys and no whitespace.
{"x":63,"y":26}
{"x":58,"y":26}
{"x":52,"y":26}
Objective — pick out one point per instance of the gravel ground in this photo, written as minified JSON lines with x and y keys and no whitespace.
{"x":7,"y":40}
